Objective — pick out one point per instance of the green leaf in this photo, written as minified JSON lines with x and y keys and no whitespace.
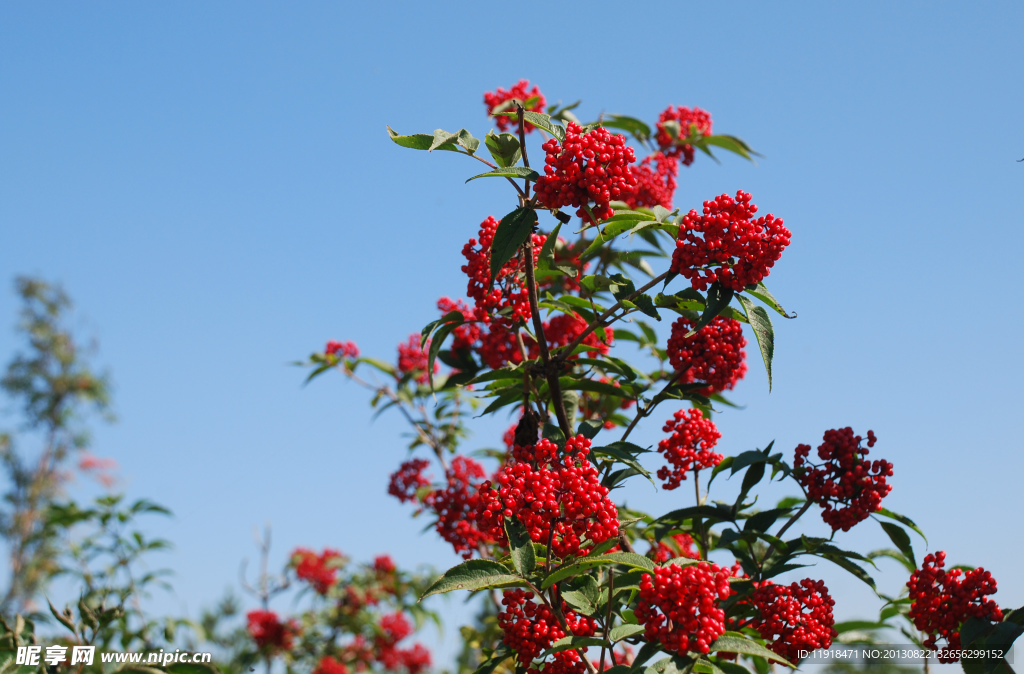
{"x":640,"y":130}
{"x":761,"y":292}
{"x":435,"y":347}
{"x":589,"y":429}
{"x":524,"y":559}
{"x":730,"y":143}
{"x":504,"y":148}
{"x":717,"y":301}
{"x":735,"y":642}
{"x":902,"y":519}
{"x":621,"y":632}
{"x":513,"y":231}
{"x":901,"y":539}
{"x":476,"y":574}
{"x":627,"y":558}
{"x":509,"y":172}
{"x":572,"y":643}
{"x":546,"y":259}
{"x":763,"y":331}
{"x":461,"y":138}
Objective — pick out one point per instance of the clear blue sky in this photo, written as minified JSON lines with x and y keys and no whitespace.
{"x":213,"y":184}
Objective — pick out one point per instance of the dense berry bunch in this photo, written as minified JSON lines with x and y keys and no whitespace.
{"x":655,"y":182}
{"x":346,"y":349}
{"x":562,"y":496}
{"x":408,"y":479}
{"x":943,"y":600}
{"x":794,"y":618}
{"x":847,"y":486}
{"x":530,"y":628}
{"x":713,"y":355}
{"x":588,"y":168}
{"x":457,"y":504}
{"x":392,"y":629}
{"x":688,"y":447}
{"x":320,"y":571}
{"x":328,"y":665}
{"x":674,"y":126}
{"x":506,"y":293}
{"x":499,"y":347}
{"x":413,"y":359}
{"x":269,"y":633}
{"x":467,"y":335}
{"x":678,"y":545}
{"x":678,"y":606}
{"x":725,"y":244}
{"x":518,"y":92}
{"x":563,"y":329}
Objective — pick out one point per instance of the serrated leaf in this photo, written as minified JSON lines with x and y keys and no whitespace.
{"x":761,"y":292}
{"x":509,"y":172}
{"x":621,"y":632}
{"x":639,"y":129}
{"x":572,"y":643}
{"x":504,"y":148}
{"x":763,"y":331}
{"x":734,"y":642}
{"x":627,"y":558}
{"x":476,"y":574}
{"x":512,"y":232}
{"x":901,"y":539}
{"x":902,"y":519}
{"x":730,"y":143}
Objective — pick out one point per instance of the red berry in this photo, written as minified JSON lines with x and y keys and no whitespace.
{"x":688,"y":448}
{"x":794,"y":618}
{"x":713,"y":355}
{"x":678,"y":606}
{"x":687,"y":118}
{"x":518,"y":92}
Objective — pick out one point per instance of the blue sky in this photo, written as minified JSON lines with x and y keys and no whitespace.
{"x":213,"y":185}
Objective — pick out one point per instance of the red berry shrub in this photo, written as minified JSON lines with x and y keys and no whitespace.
{"x":847,"y":486}
{"x":713,"y":355}
{"x":688,"y":448}
{"x":548,"y":493}
{"x":795,"y":617}
{"x":678,"y":606}
{"x":518,"y":92}
{"x":457,"y":504}
{"x":320,"y":571}
{"x":506,"y":293}
{"x":269,"y":633}
{"x":588,"y":168}
{"x":671,"y":143}
{"x":530,"y":628}
{"x":943,"y":600}
{"x":726,"y":245}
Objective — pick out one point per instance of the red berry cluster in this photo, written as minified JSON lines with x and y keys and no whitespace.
{"x":672,"y":144}
{"x":591,"y":167}
{"x":413,"y":359}
{"x":507,"y":293}
{"x":520,"y":93}
{"x":408,"y":479}
{"x":713,"y":355}
{"x":320,"y":571}
{"x":560,"y":496}
{"x":794,"y":618}
{"x":384,"y":565}
{"x":679,"y":545}
{"x":678,"y":606}
{"x":688,"y":447}
{"x":457,"y":504}
{"x":392,"y":629}
{"x":346,"y":349}
{"x":942,"y":601}
{"x":563,"y":329}
{"x":847,"y":486}
{"x":724,"y":244}
{"x":530,"y":628}
{"x":328,"y":665}
{"x":654,"y":186}
{"x":269,"y":633}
